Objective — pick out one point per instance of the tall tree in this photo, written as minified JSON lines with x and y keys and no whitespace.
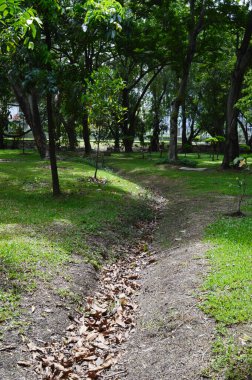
{"x":195,"y":26}
{"x":243,"y":63}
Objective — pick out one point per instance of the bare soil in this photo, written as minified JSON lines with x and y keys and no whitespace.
{"x":45,"y":316}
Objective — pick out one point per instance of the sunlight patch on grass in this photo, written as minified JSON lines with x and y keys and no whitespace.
{"x":229,"y":285}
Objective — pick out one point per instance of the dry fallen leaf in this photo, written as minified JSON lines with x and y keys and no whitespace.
{"x":24,"y":363}
{"x":92,"y":341}
{"x":33,"y":309}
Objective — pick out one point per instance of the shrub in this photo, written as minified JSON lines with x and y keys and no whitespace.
{"x":180,"y":162}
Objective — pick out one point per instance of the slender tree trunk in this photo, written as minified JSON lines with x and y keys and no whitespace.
{"x":86,"y":134}
{"x":231,"y":150}
{"x":52,"y":146}
{"x":155,"y":134}
{"x":117,"y":139}
{"x":130,"y":116}
{"x":29,"y":106}
{"x":97,"y":153}
{"x":173,"y":148}
{"x":51,"y":125}
{"x":71,"y":133}
{"x":127,"y":138}
{"x":157,"y":101}
{"x":180,"y":98}
{"x":244,"y":130}
{"x":1,"y":140}
{"x":184,"y":137}
{"x":250,"y":142}
{"x":243,"y":63}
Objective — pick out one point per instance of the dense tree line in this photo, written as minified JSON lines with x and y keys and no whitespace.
{"x":186,"y":61}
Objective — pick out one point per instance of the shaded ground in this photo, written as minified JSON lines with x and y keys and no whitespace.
{"x":45,"y":316}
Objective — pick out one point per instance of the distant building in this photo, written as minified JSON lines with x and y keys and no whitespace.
{"x":16,"y":120}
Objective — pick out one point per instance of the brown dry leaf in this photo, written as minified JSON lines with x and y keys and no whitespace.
{"x":92,"y":336}
{"x":72,"y":339}
{"x":73,"y":376}
{"x":98,"y":309}
{"x":101,"y":346}
{"x":83,"y":329}
{"x":33,"y":309}
{"x":59,"y":367}
{"x":33,"y":347}
{"x":90,"y":358}
{"x":80,"y":343}
{"x":24,"y":363}
{"x":101,"y":338}
{"x":123,"y":299}
{"x":71,"y":327}
{"x":92,"y":375}
{"x":120,"y":322}
{"x":107,"y":364}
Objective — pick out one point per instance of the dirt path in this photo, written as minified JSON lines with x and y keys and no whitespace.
{"x":173,"y":337}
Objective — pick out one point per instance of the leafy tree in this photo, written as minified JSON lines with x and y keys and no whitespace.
{"x":17,"y":22}
{"x":101,"y":99}
{"x":242,"y":64}
{"x":193,"y":17}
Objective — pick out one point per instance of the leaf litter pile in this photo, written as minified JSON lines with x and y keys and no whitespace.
{"x":92,"y":343}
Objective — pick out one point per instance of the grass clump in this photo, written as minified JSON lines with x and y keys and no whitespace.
{"x":182,"y":161}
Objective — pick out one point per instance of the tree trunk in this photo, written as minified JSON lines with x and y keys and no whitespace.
{"x":86,"y":134}
{"x":128,"y":144}
{"x":51,"y":125}
{"x":243,"y":63}
{"x":52,"y":147}
{"x":29,"y":106}
{"x":244,"y":130}
{"x":129,"y":122}
{"x":1,"y":140}
{"x":155,"y":135}
{"x":250,"y":142}
{"x":180,"y":98}
{"x":117,"y":139}
{"x":184,"y":137}
{"x":157,"y":101}
{"x":173,"y":148}
{"x":71,"y":133}
{"x":127,"y":138}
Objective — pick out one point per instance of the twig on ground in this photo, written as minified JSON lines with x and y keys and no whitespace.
{"x":7,"y":348}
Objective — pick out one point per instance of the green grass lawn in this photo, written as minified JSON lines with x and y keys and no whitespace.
{"x":38,"y":233}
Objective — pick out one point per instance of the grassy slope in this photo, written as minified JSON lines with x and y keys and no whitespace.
{"x":228,"y":289}
{"x":38,"y":233}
